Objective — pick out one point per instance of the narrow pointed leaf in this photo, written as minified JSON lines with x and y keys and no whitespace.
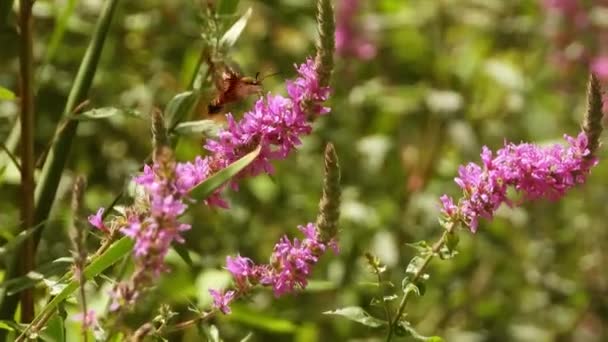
{"x":182,"y":251}
{"x":232,"y":35}
{"x":208,"y":186}
{"x":117,"y":251}
{"x":105,"y":112}
{"x":205,"y":128}
{"x":357,"y":314}
{"x":179,"y":107}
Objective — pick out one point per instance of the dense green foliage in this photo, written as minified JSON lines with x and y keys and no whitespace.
{"x":449,"y":77}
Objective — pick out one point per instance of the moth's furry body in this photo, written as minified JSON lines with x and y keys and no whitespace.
{"x":233,"y":87}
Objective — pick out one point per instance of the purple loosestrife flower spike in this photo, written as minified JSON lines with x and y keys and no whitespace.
{"x":535,"y":172}
{"x":276,"y":123}
{"x":290,"y":265}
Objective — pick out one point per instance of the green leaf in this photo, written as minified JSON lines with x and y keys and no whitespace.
{"x":10,"y":325}
{"x":55,"y":330}
{"x":209,"y":185}
{"x":179,"y":107}
{"x":205,"y":128}
{"x":33,"y":278}
{"x":408,"y":287}
{"x":405,"y":329}
{"x":17,"y":240}
{"x":357,"y":314}
{"x":105,"y":112}
{"x":448,"y":251}
{"x":226,"y":7}
{"x":421,"y":247}
{"x":232,"y":35}
{"x":414,"y":266}
{"x":6,"y":94}
{"x":114,"y":253}
{"x":182,"y":251}
{"x":213,"y":334}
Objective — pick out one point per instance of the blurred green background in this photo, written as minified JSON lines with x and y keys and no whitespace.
{"x":449,"y":76}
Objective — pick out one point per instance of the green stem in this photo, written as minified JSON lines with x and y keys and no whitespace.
{"x":26,"y":67}
{"x":427,"y":259}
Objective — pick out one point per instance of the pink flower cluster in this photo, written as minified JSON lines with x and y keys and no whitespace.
{"x":289,"y":268}
{"x":535,"y":172}
{"x":350,"y":39}
{"x":275,"y":124}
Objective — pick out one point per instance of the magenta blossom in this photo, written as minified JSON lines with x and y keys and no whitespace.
{"x":222,"y":300}
{"x":535,"y":172}
{"x":97,"y":220}
{"x":275,"y":125}
{"x":599,"y":66}
{"x":290,"y":266}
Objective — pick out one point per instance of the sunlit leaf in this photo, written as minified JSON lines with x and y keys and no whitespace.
{"x":357,"y":314}
{"x":179,"y":107}
{"x":414,"y":266}
{"x":213,"y":334}
{"x":421,"y":247}
{"x":105,"y":112}
{"x":232,"y":35}
{"x":409,"y":287}
{"x":205,"y":128}
{"x":405,"y":329}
